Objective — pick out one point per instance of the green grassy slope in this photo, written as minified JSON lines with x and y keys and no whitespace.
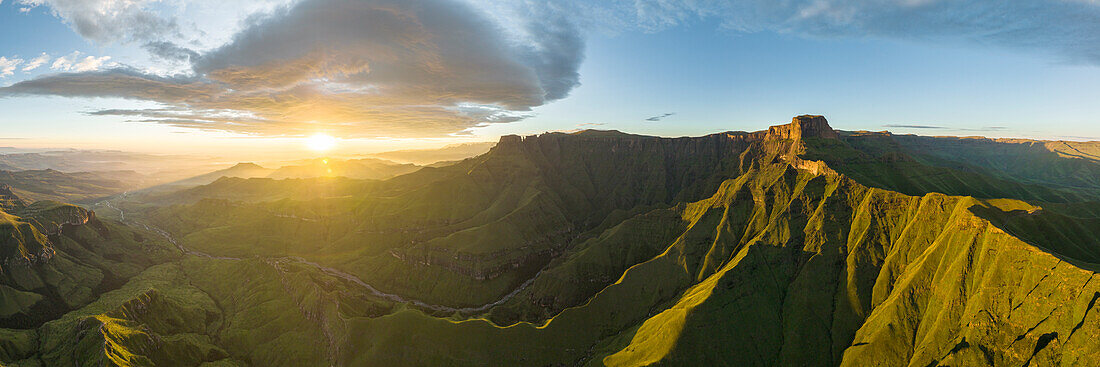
{"x":878,"y":160}
{"x":898,"y":281}
{"x":462,"y":235}
{"x":795,"y":246}
{"x":202,"y":310}
{"x":58,"y":257}
{"x":1064,"y":164}
{"x":805,"y":266}
{"x":794,"y":257}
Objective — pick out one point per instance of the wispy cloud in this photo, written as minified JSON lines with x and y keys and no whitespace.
{"x":90,"y":63}
{"x":36,"y":62}
{"x":64,"y":63}
{"x":7,"y":66}
{"x":74,"y":63}
{"x":659,"y":117}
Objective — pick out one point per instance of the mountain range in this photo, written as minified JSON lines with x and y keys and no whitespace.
{"x":796,"y":245}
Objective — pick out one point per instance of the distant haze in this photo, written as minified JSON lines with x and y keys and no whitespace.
{"x":451,"y":152}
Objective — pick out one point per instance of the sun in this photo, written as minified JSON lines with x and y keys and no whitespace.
{"x":320,"y":142}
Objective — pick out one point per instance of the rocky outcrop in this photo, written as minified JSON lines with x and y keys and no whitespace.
{"x":54,"y":220}
{"x":8,"y":200}
{"x":25,"y":239}
{"x":814,"y":167}
{"x":507,"y":140}
{"x":34,"y":253}
{"x":804,"y":126}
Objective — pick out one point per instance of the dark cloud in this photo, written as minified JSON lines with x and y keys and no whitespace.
{"x":659,"y":117}
{"x":555,"y":48}
{"x":119,"y":83}
{"x":170,"y":51}
{"x":354,"y":67}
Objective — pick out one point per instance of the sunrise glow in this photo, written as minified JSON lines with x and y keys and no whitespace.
{"x":320,"y":142}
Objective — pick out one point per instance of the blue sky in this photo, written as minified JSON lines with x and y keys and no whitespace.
{"x":718,"y":80}
{"x":530,"y":69}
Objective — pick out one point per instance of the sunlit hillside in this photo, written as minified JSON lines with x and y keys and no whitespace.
{"x":587,"y":248}
{"x":551,"y":183}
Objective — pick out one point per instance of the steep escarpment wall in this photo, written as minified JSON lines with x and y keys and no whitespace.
{"x":615,"y":170}
{"x":803,"y":126}
{"x":610,"y":169}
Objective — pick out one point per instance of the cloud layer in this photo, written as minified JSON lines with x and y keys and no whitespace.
{"x":434,"y":67}
{"x":353,"y":67}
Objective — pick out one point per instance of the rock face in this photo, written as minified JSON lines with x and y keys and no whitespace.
{"x":803,"y":126}
{"x":8,"y":200}
{"x":510,"y":140}
{"x":53,"y":221}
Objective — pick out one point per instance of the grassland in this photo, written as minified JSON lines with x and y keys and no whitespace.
{"x":597,"y":248}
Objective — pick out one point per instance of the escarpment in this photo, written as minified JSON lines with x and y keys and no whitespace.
{"x":796,"y":245}
{"x":57,"y":257}
{"x":803,"y":126}
{"x":51,"y":217}
{"x":26,"y":230}
{"x":623,"y":170}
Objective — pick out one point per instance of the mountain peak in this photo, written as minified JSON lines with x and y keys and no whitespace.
{"x":803,"y":126}
{"x":246,"y":165}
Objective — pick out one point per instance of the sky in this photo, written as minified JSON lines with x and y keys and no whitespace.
{"x":257,"y":77}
